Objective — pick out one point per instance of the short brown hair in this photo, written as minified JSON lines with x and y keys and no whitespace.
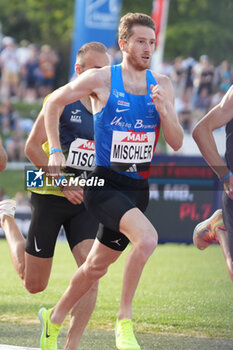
{"x":131,"y":19}
{"x":93,"y":45}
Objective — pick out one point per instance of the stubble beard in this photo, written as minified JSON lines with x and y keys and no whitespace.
{"x":139,"y":66}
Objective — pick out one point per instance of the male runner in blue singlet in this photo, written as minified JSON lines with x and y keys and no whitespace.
{"x":219,"y":227}
{"x":53,"y":207}
{"x":129,"y":103}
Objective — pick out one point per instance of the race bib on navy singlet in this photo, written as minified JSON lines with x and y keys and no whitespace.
{"x":132,"y":151}
{"x":81,"y":155}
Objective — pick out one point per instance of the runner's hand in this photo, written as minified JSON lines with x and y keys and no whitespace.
{"x":56,"y":162}
{"x":160,"y":99}
{"x":75,"y":196}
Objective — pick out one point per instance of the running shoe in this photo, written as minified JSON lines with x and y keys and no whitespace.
{"x":50,"y":331}
{"x":204,"y":233}
{"x":7,"y":207}
{"x":125,"y":338}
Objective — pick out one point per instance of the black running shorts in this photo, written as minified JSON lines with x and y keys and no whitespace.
{"x":227,"y":210}
{"x":49,"y":213}
{"x":109,"y":203}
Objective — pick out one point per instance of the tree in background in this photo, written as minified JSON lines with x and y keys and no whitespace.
{"x":41,"y":21}
{"x":200,"y":27}
{"x":194,"y":26}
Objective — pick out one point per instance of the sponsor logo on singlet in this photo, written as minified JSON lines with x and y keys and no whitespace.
{"x":123,"y":103}
{"x":81,"y":154}
{"x":150,"y":112}
{"x":118,"y":94}
{"x":139,"y":125}
{"x":120,"y":122}
{"x":76,"y":118}
{"x":120,"y":110}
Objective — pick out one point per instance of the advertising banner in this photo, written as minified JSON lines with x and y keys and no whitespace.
{"x":94,"y":20}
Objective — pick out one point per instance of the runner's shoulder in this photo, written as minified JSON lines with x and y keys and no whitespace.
{"x":161,"y":78}
{"x":47,"y":97}
{"x":100,"y":75}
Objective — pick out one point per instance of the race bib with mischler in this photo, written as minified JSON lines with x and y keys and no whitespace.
{"x":132,"y":151}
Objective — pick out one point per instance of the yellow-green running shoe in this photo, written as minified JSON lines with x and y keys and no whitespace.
{"x":205,"y":232}
{"x":50,"y":331}
{"x":125,"y":338}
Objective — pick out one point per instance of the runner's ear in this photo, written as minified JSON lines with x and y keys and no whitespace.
{"x":78,"y":68}
{"x":122,"y":44}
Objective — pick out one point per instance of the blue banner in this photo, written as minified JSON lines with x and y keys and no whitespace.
{"x":94,"y":20}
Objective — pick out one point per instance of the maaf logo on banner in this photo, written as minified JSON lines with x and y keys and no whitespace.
{"x":102,"y":14}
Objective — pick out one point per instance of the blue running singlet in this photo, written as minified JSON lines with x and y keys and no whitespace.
{"x":127,"y":129}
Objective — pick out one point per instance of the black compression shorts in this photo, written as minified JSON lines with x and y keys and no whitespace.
{"x":109,"y":203}
{"x":227,"y":210}
{"x":49,"y":213}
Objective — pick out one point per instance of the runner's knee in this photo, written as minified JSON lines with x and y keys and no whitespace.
{"x":94,"y":270}
{"x":34,"y":287}
{"x":81,"y":257}
{"x":147,"y":245}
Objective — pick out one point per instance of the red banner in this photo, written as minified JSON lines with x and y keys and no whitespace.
{"x":157,"y":13}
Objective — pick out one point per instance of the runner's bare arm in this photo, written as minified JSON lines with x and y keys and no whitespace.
{"x":36,"y":138}
{"x":219,"y":116}
{"x":34,"y":151}
{"x":86,"y":84}
{"x":3,"y":157}
{"x":163,"y":99}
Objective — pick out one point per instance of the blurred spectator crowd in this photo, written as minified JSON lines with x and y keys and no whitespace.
{"x":29,"y":72}
{"x":198,"y":86}
{"x":22,"y":199}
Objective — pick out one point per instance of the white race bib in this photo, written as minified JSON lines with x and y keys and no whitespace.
{"x":132,"y":147}
{"x":81,"y":154}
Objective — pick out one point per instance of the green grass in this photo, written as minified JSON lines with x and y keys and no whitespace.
{"x":183,"y":293}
